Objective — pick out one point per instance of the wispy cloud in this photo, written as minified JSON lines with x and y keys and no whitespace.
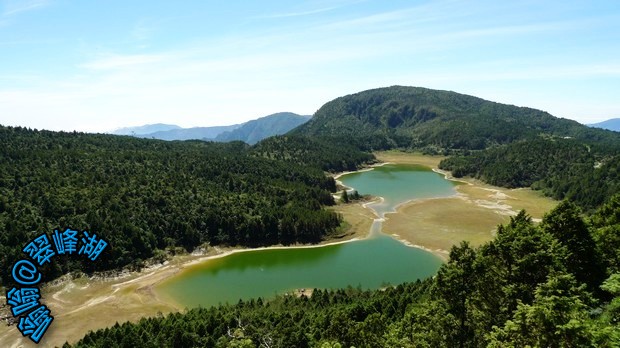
{"x":507,"y":30}
{"x":440,"y":11}
{"x":489,"y":72}
{"x":13,"y":7}
{"x":141,"y":31}
{"x":28,"y":42}
{"x":300,"y":13}
{"x":111,"y":62}
{"x":320,"y":9}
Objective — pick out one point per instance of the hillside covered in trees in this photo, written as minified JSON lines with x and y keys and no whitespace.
{"x":561,"y":168}
{"x":556,"y":284}
{"x":328,"y":153}
{"x":143,"y":196}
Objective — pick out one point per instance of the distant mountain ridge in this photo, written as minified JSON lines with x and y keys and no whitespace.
{"x":415,"y":117}
{"x":254,"y":131}
{"x":250,"y":132}
{"x":146,"y":129}
{"x":208,"y":133}
{"x":612,"y":124}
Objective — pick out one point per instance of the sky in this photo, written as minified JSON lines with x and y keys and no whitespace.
{"x":99,"y":65}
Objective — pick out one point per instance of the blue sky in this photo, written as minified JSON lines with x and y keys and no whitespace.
{"x":99,"y":65}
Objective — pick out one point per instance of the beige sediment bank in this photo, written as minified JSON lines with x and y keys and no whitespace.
{"x":473,"y":214}
{"x":83,"y":304}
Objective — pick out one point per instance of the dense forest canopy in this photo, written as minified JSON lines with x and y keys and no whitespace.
{"x":556,"y":284}
{"x":144,"y":196}
{"x":328,"y":153}
{"x":561,"y":168}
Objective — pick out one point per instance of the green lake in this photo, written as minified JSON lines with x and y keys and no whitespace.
{"x":370,"y":263}
{"x":397,"y":184}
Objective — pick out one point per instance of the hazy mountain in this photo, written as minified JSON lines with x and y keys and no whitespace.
{"x":254,"y":131}
{"x":611,"y":124}
{"x":208,"y":133}
{"x":415,"y":117}
{"x":146,"y":129}
{"x":250,"y":132}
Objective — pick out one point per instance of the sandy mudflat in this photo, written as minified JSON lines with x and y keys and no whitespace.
{"x":472,"y":215}
{"x":437,"y":224}
{"x":409,"y":158}
{"x":358,"y":220}
{"x":83,"y":304}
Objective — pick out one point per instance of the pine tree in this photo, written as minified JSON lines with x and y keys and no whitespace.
{"x":345,"y":196}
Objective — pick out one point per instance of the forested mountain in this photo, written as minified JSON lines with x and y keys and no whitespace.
{"x":254,"y":131}
{"x":194,"y":133}
{"x":611,"y":124}
{"x":143,"y":195}
{"x":500,"y":144}
{"x":146,"y":129}
{"x":414,"y":117}
{"x":556,"y":284}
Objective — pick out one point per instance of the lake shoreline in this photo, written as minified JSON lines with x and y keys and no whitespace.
{"x":125,"y":295}
{"x":442,"y":254}
{"x":142,"y":284}
{"x":472,"y":214}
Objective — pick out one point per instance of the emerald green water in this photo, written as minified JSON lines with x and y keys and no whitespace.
{"x":370,"y":263}
{"x":397,"y":184}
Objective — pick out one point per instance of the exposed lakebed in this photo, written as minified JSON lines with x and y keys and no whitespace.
{"x":370,"y":263}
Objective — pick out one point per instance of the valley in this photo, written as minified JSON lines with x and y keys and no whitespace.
{"x":309,"y":174}
{"x":433,"y":224}
{"x":244,"y":221}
